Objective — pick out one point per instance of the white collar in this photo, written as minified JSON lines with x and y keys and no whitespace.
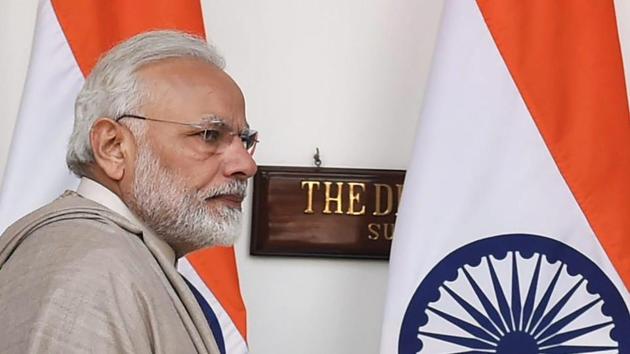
{"x":98,"y":193}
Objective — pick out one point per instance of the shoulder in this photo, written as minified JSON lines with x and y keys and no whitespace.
{"x":68,"y":229}
{"x":75,"y":243}
{"x":91,"y":243}
{"x":77,"y":278}
{"x":82,"y":256}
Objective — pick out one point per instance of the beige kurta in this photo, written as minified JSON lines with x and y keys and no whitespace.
{"x":76,"y":277}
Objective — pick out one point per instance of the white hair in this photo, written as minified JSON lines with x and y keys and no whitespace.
{"x":113,"y":88}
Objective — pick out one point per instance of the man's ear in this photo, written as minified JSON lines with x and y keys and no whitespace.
{"x":112,"y":146}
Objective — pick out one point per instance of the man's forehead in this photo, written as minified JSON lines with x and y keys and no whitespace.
{"x":185,"y":70}
{"x":198,"y":89}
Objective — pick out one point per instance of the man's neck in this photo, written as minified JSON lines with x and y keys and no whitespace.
{"x":95,"y":191}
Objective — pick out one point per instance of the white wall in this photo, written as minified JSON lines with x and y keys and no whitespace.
{"x":347,"y":77}
{"x":344,"y":76}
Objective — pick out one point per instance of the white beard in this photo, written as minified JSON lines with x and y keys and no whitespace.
{"x":179,"y":214}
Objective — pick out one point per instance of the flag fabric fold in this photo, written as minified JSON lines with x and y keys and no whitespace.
{"x":512,"y":230}
{"x":69,"y":38}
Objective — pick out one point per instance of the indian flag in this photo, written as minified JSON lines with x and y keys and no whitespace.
{"x":69,"y":38}
{"x":514,"y":228}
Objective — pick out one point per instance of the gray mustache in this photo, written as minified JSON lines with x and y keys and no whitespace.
{"x":234,"y":187}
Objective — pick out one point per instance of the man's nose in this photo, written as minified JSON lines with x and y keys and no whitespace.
{"x":239,"y":161}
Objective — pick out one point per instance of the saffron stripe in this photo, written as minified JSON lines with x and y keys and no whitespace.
{"x":92,"y":26}
{"x":217,"y":267}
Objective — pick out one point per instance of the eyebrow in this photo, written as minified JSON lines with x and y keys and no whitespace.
{"x":211,"y":118}
{"x":218,"y":119}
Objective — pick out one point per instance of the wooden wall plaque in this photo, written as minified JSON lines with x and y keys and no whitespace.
{"x":324,"y":212}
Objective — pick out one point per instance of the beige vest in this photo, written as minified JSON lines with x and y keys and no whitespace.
{"x":76,"y":277}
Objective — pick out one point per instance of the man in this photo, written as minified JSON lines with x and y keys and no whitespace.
{"x":163,"y":150}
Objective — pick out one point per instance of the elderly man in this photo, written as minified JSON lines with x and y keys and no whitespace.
{"x":163,"y":150}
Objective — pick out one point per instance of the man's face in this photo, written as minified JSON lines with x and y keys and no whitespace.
{"x":187,"y":191}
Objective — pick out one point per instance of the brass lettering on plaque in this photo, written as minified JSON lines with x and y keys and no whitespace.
{"x":355,"y":197}
{"x":336,"y":199}
{"x":309,"y":196}
{"x":325,"y":211}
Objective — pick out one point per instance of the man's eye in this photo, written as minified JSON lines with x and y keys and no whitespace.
{"x":211,"y":136}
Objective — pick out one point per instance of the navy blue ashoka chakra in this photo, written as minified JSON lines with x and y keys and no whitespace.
{"x":516,"y":294}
